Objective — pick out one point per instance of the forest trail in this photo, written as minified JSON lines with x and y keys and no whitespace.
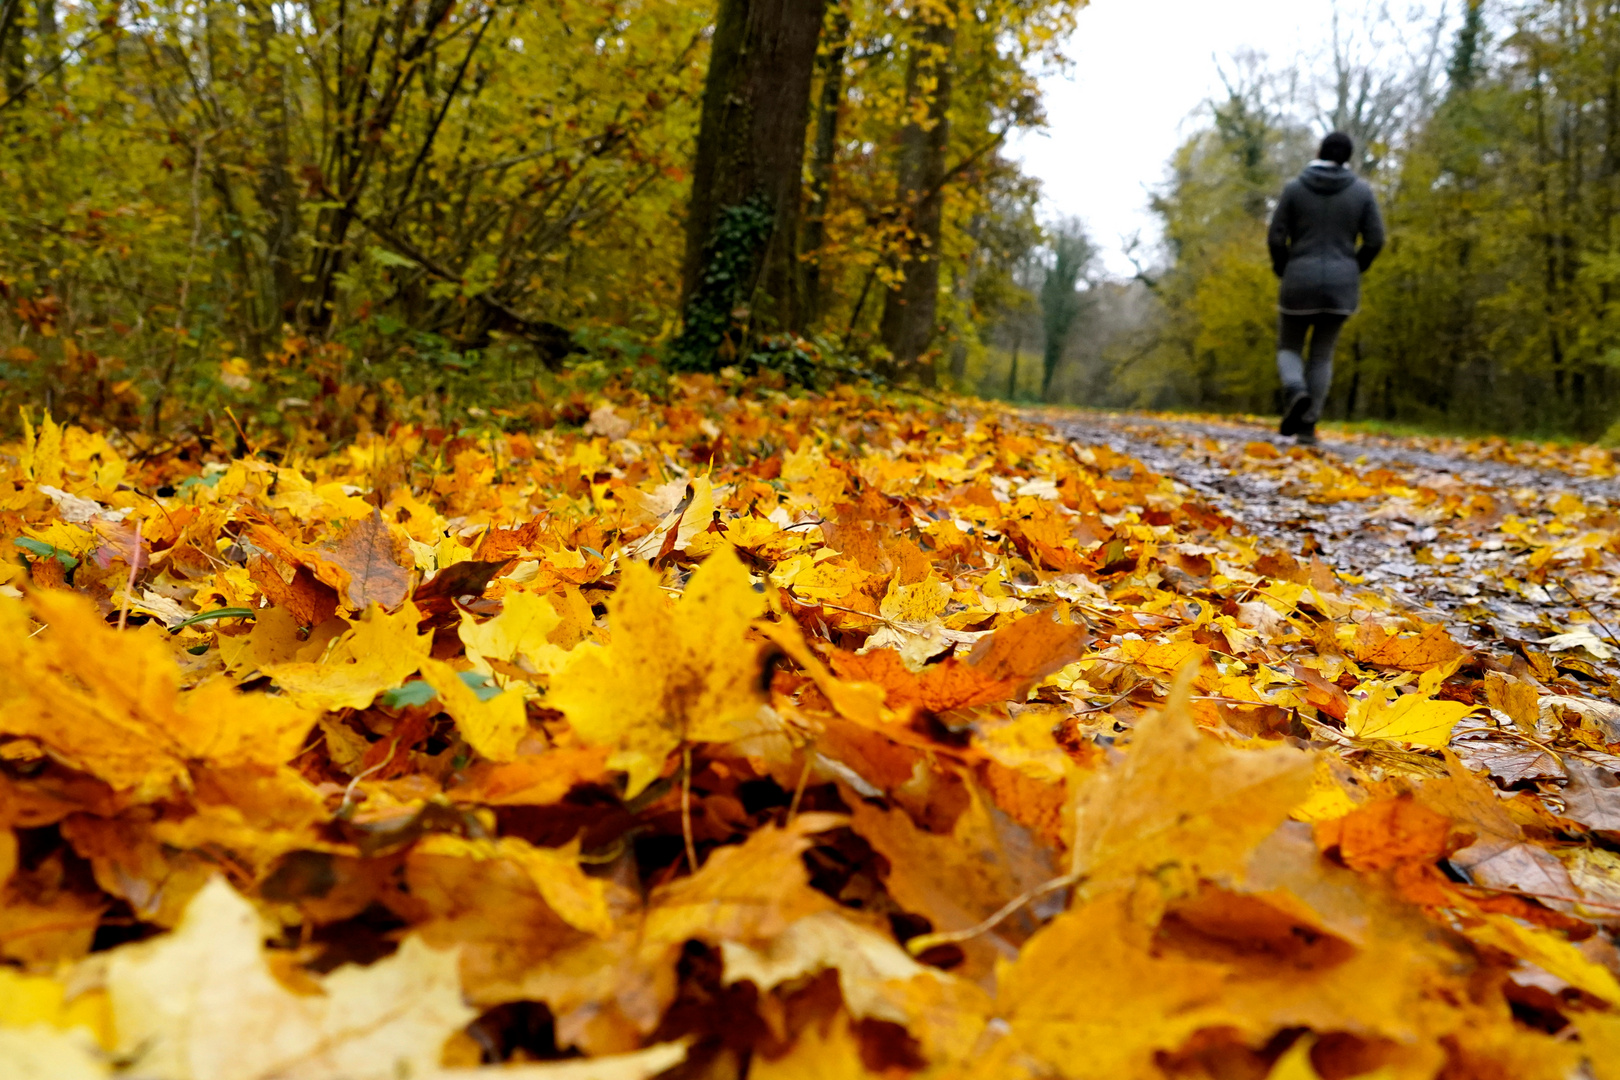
{"x":1406,"y":516}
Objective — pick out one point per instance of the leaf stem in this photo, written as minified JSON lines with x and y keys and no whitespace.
{"x":686,"y":808}
{"x":134,"y":567}
{"x":923,"y":942}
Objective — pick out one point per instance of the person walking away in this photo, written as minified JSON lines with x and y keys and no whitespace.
{"x":1313,"y":239}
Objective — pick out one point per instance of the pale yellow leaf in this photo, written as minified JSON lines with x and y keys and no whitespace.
{"x":201,"y":1004}
{"x":518,"y":635}
{"x":46,"y":1053}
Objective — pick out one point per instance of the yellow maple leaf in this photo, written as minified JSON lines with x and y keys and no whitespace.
{"x":520,"y":634}
{"x":1088,"y":995}
{"x":1415,"y":718}
{"x":1600,"y":1038}
{"x":671,"y":674}
{"x":29,"y":1000}
{"x":110,"y":703}
{"x":1183,"y":798}
{"x":1548,"y":952}
{"x":579,"y":900}
{"x":871,"y":967}
{"x":377,"y":653}
{"x":493,"y":727}
{"x":821,"y":1050}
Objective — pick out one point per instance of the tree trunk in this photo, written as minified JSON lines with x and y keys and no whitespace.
{"x":49,"y":36}
{"x":1012,"y":367}
{"x":822,"y":158}
{"x":911,"y":307}
{"x":741,"y":267}
{"x":276,"y":191}
{"x":13,"y":50}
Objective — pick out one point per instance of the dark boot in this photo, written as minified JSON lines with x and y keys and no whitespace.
{"x":1307,"y":434}
{"x":1294,"y":416}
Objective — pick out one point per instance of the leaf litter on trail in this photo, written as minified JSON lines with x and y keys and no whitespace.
{"x":894,"y":739}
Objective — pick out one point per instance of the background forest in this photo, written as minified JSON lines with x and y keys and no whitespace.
{"x":317,"y":210}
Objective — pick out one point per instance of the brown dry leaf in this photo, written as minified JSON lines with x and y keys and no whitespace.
{"x":305,"y":598}
{"x":744,"y":894}
{"x":1592,"y":796}
{"x":957,"y":879}
{"x":1430,"y":648}
{"x":1513,"y":697}
{"x":371,"y":564}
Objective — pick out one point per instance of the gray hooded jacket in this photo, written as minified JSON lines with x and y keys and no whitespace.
{"x":1313,"y":240}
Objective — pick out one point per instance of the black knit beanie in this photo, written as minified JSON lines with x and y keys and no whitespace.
{"x":1336,"y":147}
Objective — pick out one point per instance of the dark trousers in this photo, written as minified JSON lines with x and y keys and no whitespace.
{"x":1315,"y":375}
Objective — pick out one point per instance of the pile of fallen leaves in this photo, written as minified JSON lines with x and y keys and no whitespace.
{"x":768,"y":737}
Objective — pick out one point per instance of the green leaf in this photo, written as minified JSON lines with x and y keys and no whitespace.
{"x":40,"y":549}
{"x":481,"y":685}
{"x":383,"y":257}
{"x":211,"y":480}
{"x":411,"y":694}
{"x":211,"y":616}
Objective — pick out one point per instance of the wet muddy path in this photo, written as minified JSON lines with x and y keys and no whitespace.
{"x":1502,"y":542}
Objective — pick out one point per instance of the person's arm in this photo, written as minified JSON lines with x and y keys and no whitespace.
{"x":1277,"y":237}
{"x":1372,"y":234}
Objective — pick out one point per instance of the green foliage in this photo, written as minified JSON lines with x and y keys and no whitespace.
{"x":317,"y":210}
{"x":717,"y":315}
{"x":812,"y":365}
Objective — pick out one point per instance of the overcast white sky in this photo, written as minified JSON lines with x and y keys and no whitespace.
{"x":1141,"y":69}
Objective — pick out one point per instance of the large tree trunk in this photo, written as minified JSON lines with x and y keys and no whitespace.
{"x":741,"y":270}
{"x":823,"y":156}
{"x":911,"y":308}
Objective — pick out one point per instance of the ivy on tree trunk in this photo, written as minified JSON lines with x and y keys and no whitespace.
{"x":740,"y":274}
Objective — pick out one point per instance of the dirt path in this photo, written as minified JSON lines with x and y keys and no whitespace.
{"x":1438,"y":525}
